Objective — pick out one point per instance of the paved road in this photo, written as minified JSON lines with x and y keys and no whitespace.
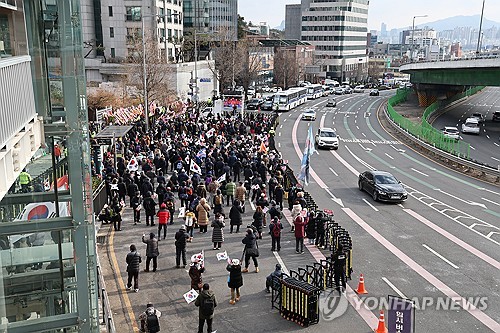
{"x":442,"y":242}
{"x":485,"y":147}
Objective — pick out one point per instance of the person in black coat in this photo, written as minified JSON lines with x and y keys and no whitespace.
{"x":258,"y":220}
{"x":235,"y":281}
{"x":133,"y":260}
{"x":116,"y":216}
{"x":122,"y":189}
{"x":311,"y":228}
{"x":235,"y":216}
{"x":251,"y":250}
{"x":136,"y":203}
{"x":149,"y":208}
{"x":278,"y":195}
{"x":181,"y":238}
{"x":146,"y":187}
{"x":320,"y":230}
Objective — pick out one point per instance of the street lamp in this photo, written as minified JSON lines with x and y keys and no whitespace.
{"x":413,"y":35}
{"x":479,"y":34}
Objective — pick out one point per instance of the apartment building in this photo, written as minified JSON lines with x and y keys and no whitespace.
{"x":214,"y":16}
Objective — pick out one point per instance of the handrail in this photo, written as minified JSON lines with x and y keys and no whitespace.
{"x":107,"y":314}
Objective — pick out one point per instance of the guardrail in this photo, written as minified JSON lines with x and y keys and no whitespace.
{"x":99,"y":197}
{"x":411,"y":131}
{"x":107,"y":315}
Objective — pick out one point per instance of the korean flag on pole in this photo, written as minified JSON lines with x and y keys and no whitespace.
{"x":221,"y":178}
{"x":195,"y":167}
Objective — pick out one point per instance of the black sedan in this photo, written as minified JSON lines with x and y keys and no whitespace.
{"x":374,"y":92}
{"x":254,"y":104}
{"x":267,"y":106}
{"x":382,"y":186}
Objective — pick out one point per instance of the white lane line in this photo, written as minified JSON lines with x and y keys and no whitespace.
{"x":440,"y":256}
{"x":400,"y":205}
{"x":363,"y":134}
{"x":485,"y":189}
{"x":284,"y":120}
{"x":389,"y":156}
{"x":493,"y":202}
{"x":252,"y":205}
{"x":487,"y":136}
{"x":279,"y":134}
{"x":357,"y":127}
{"x":420,"y":172}
{"x":333,"y":171}
{"x":281,"y":126}
{"x":496,"y":144}
{"x":393,"y":287}
{"x":472,"y":148}
{"x":369,"y":204}
{"x":496,"y":159}
{"x":279,"y":144}
{"x":280,"y":261}
{"x":289,"y":115}
{"x":329,"y":192}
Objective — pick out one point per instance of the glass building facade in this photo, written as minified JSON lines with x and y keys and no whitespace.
{"x":47,"y":232}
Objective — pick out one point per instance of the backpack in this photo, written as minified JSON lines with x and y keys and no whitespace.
{"x":208,"y":306}
{"x":276,"y":229}
{"x":152,"y":323}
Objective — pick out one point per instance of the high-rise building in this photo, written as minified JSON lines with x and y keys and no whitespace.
{"x":48,"y":279}
{"x":293,"y":21}
{"x":338,"y":29}
{"x":383,"y":30}
{"x":219,"y":17}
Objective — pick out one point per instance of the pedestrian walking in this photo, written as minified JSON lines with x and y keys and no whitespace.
{"x":235,"y":279}
{"x":207,"y":303}
{"x":116,"y":216}
{"x":136,"y":204}
{"x":181,"y":238}
{"x":149,"y":319}
{"x":275,"y":231}
{"x":190,"y":220}
{"x":278,"y":195}
{"x":25,"y":181}
{"x":149,"y":208}
{"x":299,"y":224}
{"x":251,"y":250}
{"x":235,"y":218}
{"x":230,"y":192}
{"x":163,"y":218}
{"x":195,"y":271}
{"x":151,"y":250}
{"x":240,"y":194}
{"x":258,"y":220}
{"x":203,"y":210}
{"x":133,"y":260}
{"x":218,"y":201}
{"x":218,"y":231}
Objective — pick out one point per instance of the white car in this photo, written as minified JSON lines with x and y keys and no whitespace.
{"x":471,"y":125}
{"x":359,"y":89}
{"x":308,"y":114}
{"x":479,"y":116}
{"x":451,"y":133}
{"x":327,"y":138}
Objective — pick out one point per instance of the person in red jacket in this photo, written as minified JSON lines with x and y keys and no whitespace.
{"x":299,"y":224}
{"x":163,"y":217}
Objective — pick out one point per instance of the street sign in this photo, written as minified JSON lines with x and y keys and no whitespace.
{"x":401,"y":315}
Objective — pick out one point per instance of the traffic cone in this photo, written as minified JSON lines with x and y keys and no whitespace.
{"x":361,"y":285}
{"x":381,"y":323}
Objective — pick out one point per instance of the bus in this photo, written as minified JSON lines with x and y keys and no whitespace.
{"x":286,"y":100}
{"x":302,"y":97}
{"x":314,"y":91}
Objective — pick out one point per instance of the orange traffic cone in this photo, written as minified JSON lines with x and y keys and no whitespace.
{"x":381,"y":323}
{"x":361,"y":286}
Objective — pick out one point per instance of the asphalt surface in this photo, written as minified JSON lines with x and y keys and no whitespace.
{"x":442,"y":242}
{"x":485,"y":147}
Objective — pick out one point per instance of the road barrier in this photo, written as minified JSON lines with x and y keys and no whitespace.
{"x":105,"y":307}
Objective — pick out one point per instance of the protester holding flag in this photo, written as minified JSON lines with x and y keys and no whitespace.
{"x":235,"y":279}
{"x":195,"y":270}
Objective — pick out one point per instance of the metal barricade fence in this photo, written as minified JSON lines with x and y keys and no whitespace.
{"x":105,"y":307}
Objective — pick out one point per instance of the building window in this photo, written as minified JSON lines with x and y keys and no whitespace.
{"x":110,"y":11}
{"x":169,"y":15}
{"x":113,"y":52}
{"x":133,"y":13}
{"x":111,"y":32}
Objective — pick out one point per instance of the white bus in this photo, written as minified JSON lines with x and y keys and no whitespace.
{"x":286,"y":100}
{"x":314,"y":91}
{"x":302,"y":96}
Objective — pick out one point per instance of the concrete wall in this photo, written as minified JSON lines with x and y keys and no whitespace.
{"x":207,"y":81}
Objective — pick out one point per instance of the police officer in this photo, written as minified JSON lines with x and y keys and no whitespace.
{"x":24,"y":181}
{"x":339,"y":260}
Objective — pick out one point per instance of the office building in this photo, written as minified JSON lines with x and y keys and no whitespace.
{"x":47,"y":232}
{"x":293,"y":21}
{"x":338,"y":30}
{"x":219,"y":17}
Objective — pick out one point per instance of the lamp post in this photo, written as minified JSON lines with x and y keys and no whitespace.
{"x":144,"y":80}
{"x":413,"y":35}
{"x":479,"y":33}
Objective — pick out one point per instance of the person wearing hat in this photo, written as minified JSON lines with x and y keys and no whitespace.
{"x":163,"y":217}
{"x":235,"y":279}
{"x":151,"y":250}
{"x":277,"y":274}
{"x":181,"y":238}
{"x":189,"y":221}
{"x":195,"y":271}
{"x":149,"y":319}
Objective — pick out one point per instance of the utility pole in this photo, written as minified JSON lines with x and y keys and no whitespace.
{"x":479,"y":32}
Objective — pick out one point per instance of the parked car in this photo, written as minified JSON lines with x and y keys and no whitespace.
{"x":339,"y":91}
{"x":451,"y":132}
{"x":331,"y":102}
{"x":254,"y":104}
{"x":471,"y":125}
{"x":267,"y":105}
{"x":383,"y":87}
{"x":308,"y":114}
{"x":327,"y":138}
{"x":374,"y":92}
{"x":496,"y":116}
{"x":359,"y":89}
{"x":382,"y":185}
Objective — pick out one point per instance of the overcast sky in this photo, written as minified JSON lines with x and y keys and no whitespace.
{"x":395,"y":13}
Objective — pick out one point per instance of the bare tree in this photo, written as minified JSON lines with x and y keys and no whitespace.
{"x":157,"y":71}
{"x":252,"y":57}
{"x":286,"y":68}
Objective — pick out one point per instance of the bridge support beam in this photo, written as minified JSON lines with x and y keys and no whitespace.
{"x":429,"y":93}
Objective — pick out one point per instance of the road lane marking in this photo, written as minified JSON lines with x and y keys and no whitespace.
{"x":389,"y":156}
{"x":333,"y":171}
{"x":281,"y":126}
{"x":279,"y":144}
{"x":440,"y":256}
{"x":496,"y":159}
{"x":393,"y":287}
{"x":472,"y":148}
{"x":369,"y":204}
{"x":493,"y":202}
{"x":280,"y":261}
{"x":363,"y":134}
{"x":284,"y":120}
{"x":460,"y":199}
{"x":420,"y":172}
{"x":485,"y":189}
{"x":453,"y":295}
{"x":252,"y":205}
{"x":279,"y":134}
{"x":496,"y":144}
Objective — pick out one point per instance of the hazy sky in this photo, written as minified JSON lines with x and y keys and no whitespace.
{"x":395,"y":13}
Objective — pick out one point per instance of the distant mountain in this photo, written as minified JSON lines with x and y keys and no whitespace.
{"x":451,"y":23}
{"x":281,"y":26}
